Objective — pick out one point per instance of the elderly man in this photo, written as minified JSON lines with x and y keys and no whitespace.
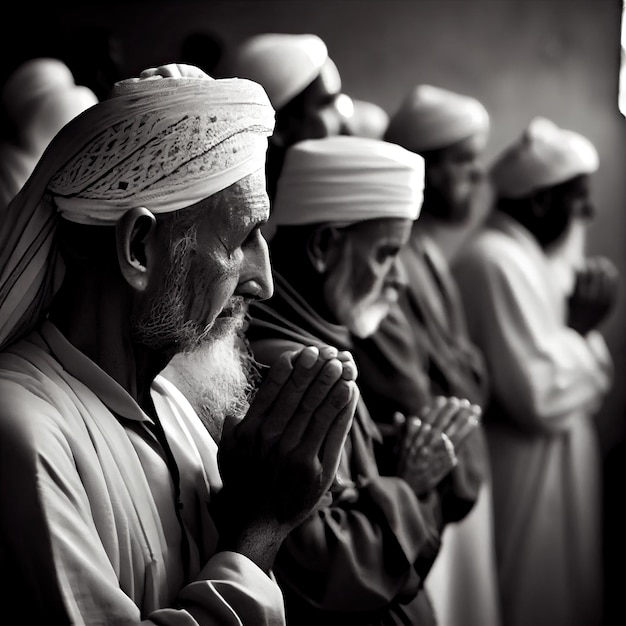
{"x":137,"y":237}
{"x":533,"y":304}
{"x":344,"y":209}
{"x":303,"y":85}
{"x":449,"y":130}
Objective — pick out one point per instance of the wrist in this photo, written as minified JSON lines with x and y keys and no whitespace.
{"x":260,"y":543}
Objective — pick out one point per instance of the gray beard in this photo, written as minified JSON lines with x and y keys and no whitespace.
{"x":217,"y":377}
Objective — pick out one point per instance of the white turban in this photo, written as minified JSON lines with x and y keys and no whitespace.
{"x":544,"y":156}
{"x":430,"y":118}
{"x":164,"y":141}
{"x":347,"y":179}
{"x":285,"y":64}
{"x":41,"y":96}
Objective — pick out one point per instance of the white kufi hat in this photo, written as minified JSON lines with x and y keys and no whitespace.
{"x":544,"y":156}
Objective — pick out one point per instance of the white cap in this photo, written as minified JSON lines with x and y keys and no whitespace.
{"x":40,"y":97}
{"x":544,"y":156}
{"x":283,"y":64}
{"x":431,"y":117}
{"x":347,"y":179}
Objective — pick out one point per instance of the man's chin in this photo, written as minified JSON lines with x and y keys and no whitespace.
{"x":366,"y":323}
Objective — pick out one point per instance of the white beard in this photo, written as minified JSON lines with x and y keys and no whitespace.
{"x":366,"y":319}
{"x":214,"y":379}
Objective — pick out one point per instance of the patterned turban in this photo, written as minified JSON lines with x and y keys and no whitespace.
{"x":430,"y":118}
{"x":163,"y":141}
{"x":544,"y":156}
{"x":345,"y":180}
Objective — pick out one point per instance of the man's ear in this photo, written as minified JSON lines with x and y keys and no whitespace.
{"x":134,"y":237}
{"x":324,"y":247}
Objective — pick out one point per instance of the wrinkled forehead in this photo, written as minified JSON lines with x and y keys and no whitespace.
{"x":241,"y":207}
{"x":368,"y":236}
{"x":471,"y":147}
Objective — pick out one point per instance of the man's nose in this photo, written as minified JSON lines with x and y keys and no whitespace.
{"x":398,"y":275}
{"x":257,"y":282}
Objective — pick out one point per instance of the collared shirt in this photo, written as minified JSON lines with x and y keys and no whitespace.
{"x":102,"y":521}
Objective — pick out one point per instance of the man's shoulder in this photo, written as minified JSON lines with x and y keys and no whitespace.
{"x":30,"y":392}
{"x":27,"y":362}
{"x":489,"y":245}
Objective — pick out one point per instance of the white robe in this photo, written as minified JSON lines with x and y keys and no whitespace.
{"x":87,"y":502}
{"x":548,"y":381}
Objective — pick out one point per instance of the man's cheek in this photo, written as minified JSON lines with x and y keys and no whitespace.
{"x":371,"y":282}
{"x":207,"y":301}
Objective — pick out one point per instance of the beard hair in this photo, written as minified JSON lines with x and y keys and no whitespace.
{"x":218,"y":378}
{"x":367,"y":317}
{"x":361,"y":317}
{"x":164,"y":322}
{"x":212,"y":366}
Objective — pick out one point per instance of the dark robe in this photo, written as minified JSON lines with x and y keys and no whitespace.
{"x":362,"y":558}
{"x":423,"y":347}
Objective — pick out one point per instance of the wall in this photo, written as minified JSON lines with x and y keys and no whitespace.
{"x":521,"y":58}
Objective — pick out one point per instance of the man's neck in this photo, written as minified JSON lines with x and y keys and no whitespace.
{"x":94,"y":317}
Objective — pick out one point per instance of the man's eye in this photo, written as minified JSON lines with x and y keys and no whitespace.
{"x":388,"y":252}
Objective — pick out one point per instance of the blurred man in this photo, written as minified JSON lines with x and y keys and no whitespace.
{"x":550,"y":371}
{"x":450,"y":131}
{"x":344,"y":209}
{"x":303,"y":85}
{"x":137,"y":237}
{"x":38,"y":98}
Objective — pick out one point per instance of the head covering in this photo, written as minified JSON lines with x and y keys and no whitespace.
{"x":545,"y":155}
{"x":40,"y":96}
{"x":164,"y":141}
{"x":430,"y":118}
{"x":347,"y":179}
{"x":368,"y":119}
{"x":285,"y":64}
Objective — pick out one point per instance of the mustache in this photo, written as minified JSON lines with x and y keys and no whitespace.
{"x":237,"y":306}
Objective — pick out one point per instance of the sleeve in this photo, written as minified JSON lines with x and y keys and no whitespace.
{"x":456,"y":366}
{"x":472,"y":381}
{"x":459,"y":491}
{"x":57,"y":568}
{"x":543,"y":373}
{"x":375,"y":540}
{"x":376,"y":543}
